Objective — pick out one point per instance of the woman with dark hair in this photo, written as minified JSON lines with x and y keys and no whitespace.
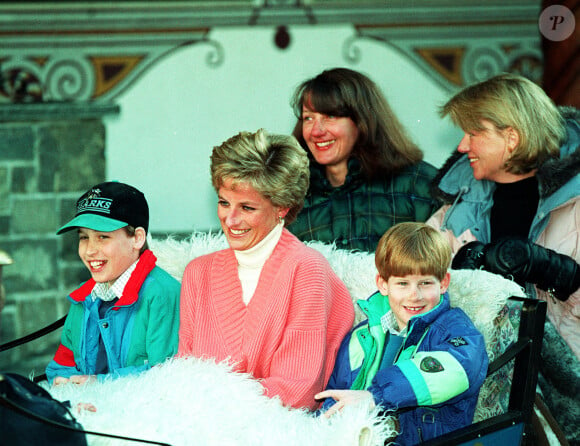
{"x":365,"y":172}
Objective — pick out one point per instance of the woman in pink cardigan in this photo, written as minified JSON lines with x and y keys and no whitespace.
{"x":269,"y":304}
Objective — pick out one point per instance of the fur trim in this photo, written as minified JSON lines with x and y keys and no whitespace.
{"x":569,"y":112}
{"x":435,"y":191}
{"x":556,"y":172}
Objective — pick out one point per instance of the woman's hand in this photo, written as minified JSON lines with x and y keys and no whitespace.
{"x":345,"y":398}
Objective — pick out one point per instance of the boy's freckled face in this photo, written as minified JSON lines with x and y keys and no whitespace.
{"x":412,"y":295}
{"x":107,"y":254}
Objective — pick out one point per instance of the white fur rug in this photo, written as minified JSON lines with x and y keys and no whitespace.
{"x":197,"y":402}
{"x":187,"y":402}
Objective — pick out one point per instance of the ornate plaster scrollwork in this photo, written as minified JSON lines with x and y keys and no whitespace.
{"x":20,"y":83}
{"x":83,"y":75}
{"x":67,"y":79}
{"x":455,"y":64}
{"x":350,"y":51}
{"x":216,"y":55}
{"x":480,"y":63}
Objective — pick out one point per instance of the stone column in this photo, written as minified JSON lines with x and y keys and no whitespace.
{"x":50,"y":153}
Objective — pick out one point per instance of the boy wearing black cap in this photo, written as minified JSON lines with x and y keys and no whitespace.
{"x":124,"y":319}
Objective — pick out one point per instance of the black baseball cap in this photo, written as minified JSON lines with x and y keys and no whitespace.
{"x":110,"y":206}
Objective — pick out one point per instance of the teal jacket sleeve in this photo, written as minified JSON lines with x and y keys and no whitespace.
{"x":450,"y":363}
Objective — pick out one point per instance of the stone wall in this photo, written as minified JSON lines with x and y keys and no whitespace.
{"x":49,"y":155}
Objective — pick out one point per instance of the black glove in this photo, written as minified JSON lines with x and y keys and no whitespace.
{"x":469,"y":256}
{"x":523,"y":261}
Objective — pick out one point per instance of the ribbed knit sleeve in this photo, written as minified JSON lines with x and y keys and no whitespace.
{"x":202,"y":300}
{"x":290,"y":332}
{"x":320,"y":313}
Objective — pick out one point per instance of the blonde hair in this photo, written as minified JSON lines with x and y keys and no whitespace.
{"x":274,"y":165}
{"x":412,"y":248}
{"x":509,"y":100}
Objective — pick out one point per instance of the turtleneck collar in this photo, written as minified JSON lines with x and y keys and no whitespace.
{"x":256,"y":256}
{"x":251,"y":261}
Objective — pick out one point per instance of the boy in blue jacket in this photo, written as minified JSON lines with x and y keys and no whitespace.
{"x":415,"y":355}
{"x":125,"y":319}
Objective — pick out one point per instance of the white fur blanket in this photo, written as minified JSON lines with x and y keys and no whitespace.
{"x":187,"y":402}
{"x":196,"y":402}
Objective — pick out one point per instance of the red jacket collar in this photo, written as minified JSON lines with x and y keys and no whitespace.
{"x":131,"y":292}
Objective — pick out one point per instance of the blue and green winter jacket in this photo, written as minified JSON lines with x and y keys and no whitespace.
{"x":438,"y":369}
{"x":139,"y":331}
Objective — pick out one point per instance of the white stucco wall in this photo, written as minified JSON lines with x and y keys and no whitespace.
{"x":179,"y":109}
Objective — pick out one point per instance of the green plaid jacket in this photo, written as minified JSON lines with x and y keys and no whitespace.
{"x":356,"y":214}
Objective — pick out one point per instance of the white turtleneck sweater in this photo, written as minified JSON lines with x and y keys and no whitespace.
{"x":251,"y":261}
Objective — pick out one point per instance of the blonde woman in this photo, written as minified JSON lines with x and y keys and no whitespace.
{"x":268,"y":304}
{"x":512,"y":207}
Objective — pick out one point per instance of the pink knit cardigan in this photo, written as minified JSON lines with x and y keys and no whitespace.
{"x":290,"y":332}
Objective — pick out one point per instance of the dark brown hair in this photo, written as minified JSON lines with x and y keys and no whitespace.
{"x":383,"y":146}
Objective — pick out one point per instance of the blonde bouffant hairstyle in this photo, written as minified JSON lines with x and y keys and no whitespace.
{"x":274,"y":165}
{"x":412,"y":248}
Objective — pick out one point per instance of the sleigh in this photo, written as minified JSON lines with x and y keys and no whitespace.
{"x":183,"y":402}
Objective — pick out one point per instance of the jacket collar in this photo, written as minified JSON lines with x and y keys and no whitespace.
{"x":319,"y":184}
{"x":375,"y":306}
{"x":418,"y":324}
{"x":130,"y":295}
